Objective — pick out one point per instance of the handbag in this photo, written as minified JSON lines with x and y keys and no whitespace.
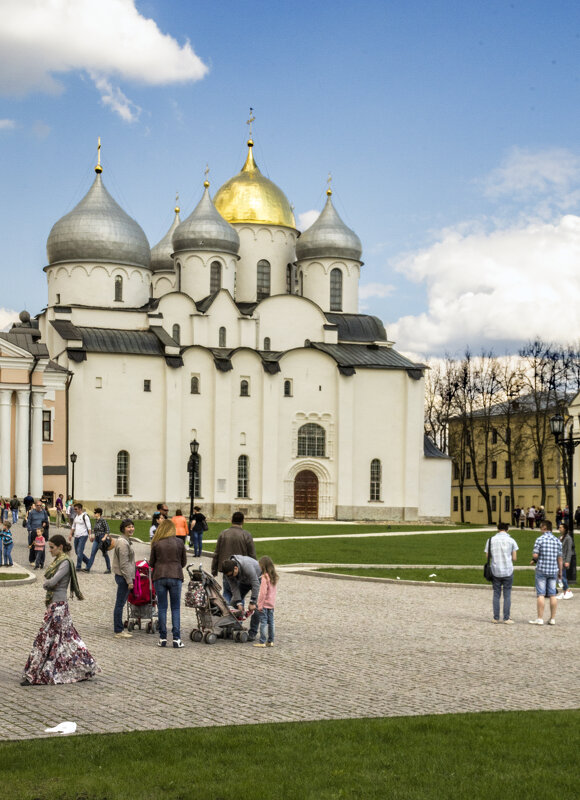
{"x":487,"y":573}
{"x":204,"y":525}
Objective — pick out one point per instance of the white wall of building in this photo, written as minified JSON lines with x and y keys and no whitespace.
{"x":94,"y":284}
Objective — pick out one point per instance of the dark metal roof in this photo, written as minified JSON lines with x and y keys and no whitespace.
{"x":360,"y":355}
{"x":204,"y":304}
{"x":66,"y":329}
{"x":430,"y":449}
{"x":358,"y":327}
{"x":26,"y":341}
{"x":165,"y":339}
{"x":247,"y":309}
{"x":105,"y":340}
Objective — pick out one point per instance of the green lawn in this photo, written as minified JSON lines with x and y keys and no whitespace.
{"x":10,"y":576}
{"x":521,"y":578}
{"x":448,"y":756}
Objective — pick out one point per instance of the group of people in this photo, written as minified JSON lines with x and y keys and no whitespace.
{"x":59,"y":655}
{"x":194,"y":528}
{"x":551,"y":556}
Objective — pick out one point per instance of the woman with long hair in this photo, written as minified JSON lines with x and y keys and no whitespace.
{"x":167,"y":559}
{"x":59,"y":655}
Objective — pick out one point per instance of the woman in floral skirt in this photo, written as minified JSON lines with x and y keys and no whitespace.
{"x":59,"y":655}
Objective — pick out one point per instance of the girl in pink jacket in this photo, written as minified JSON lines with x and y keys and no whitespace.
{"x":266,"y":602}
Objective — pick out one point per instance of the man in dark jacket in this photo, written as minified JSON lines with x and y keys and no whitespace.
{"x":243,"y":576}
{"x":230,"y":542}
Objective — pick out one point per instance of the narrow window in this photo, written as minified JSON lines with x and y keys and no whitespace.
{"x":243,"y":477}
{"x":263,"y":288}
{"x":494,"y":436}
{"x":455,"y":503}
{"x":178,"y":273}
{"x":222,"y":337}
{"x":468,"y":471}
{"x":455,"y":472}
{"x":146,"y":385}
{"x":494,"y":503}
{"x":335,"y":290}
{"x":244,"y":388}
{"x":118,"y":289}
{"x":58,"y":299}
{"x":194,"y":384}
{"x":287,"y":388}
{"x":312,"y":440}
{"x":215,"y":277}
{"x":46,"y":426}
{"x":494,"y":469}
{"x":536,"y":469}
{"x":267,"y":343}
{"x":122,"y":472}
{"x":376,"y":477}
{"x":176,"y":333}
{"x":197,"y":479}
{"x":507,"y":469}
{"x":467,"y":502}
{"x":301,"y":284}
{"x":288,"y":278}
{"x":98,"y":383}
{"x":506,"y":503}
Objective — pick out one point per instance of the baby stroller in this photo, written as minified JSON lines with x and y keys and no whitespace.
{"x":142,"y":602}
{"x":214,"y":617}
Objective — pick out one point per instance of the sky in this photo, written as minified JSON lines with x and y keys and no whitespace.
{"x":451,"y":129}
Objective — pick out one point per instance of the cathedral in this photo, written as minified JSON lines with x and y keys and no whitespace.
{"x":242,"y":334}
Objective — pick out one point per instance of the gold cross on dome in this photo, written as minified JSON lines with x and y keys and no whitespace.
{"x":250,"y":120}
{"x":98,"y":168}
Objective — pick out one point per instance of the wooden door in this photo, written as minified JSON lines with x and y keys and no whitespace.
{"x":306,"y":495}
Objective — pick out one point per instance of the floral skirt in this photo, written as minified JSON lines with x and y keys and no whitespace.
{"x":59,"y":655}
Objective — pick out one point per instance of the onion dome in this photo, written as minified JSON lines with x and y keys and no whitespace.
{"x":328,"y":236}
{"x":250,"y":197}
{"x":206,"y":229}
{"x":161,"y":253}
{"x":98,"y":229}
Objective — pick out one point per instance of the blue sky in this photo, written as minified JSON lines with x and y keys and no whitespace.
{"x":451,"y":130}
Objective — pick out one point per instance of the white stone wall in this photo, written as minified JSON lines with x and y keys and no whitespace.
{"x":94,"y":284}
{"x":276,"y":245}
{"x":193,"y":271}
{"x":315,"y":281}
{"x":305,"y":321}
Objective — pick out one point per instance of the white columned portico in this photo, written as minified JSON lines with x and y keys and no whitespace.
{"x":36,"y":472}
{"x":21,"y":456}
{"x":5,"y":440}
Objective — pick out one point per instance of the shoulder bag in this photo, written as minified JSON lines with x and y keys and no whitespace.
{"x":487,"y":573}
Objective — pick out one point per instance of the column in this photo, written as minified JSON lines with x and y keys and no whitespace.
{"x":21,"y":455}
{"x":36,"y":472}
{"x":5,"y":440}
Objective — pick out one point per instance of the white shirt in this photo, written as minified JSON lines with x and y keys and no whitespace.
{"x":502,"y":547}
{"x":81,"y":525}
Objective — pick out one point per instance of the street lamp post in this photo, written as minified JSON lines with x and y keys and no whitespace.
{"x":500,"y":493}
{"x":192,"y":469}
{"x":73,"y":461}
{"x":566,"y":445}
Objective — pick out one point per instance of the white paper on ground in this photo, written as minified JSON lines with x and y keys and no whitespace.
{"x":63,"y":727}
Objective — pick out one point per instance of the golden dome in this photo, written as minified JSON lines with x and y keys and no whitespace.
{"x":250,"y":197}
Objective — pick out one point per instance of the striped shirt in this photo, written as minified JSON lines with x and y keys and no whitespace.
{"x":502,"y":547}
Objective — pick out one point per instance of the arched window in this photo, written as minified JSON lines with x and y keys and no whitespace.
{"x":194,"y":384}
{"x":178,"y":274}
{"x":118,"y":289}
{"x":288,"y":278}
{"x":122,"y":472}
{"x":335,"y":289}
{"x":222,"y":337}
{"x":244,"y":389}
{"x":177,"y":334}
{"x":215,"y":278}
{"x":301,"y":284}
{"x":312,"y":440}
{"x":267,"y":343}
{"x":376,"y":478}
{"x":263,"y":279}
{"x":243,"y":477}
{"x":287,"y":388}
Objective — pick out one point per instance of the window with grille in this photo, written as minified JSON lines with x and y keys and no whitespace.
{"x":244,"y":388}
{"x":468,"y":471}
{"x":122,"y":472}
{"x":176,"y":333}
{"x":118,"y":288}
{"x":263,"y":279}
{"x":301,"y":284}
{"x":215,"y":277}
{"x":46,"y":426}
{"x":376,"y":477}
{"x":222,"y":337}
{"x":243,"y":477}
{"x":287,"y":388}
{"x":467,"y":502}
{"x":312,"y":440}
{"x":197,"y":479}
{"x":146,"y":385}
{"x":288,"y":278}
{"x":267,"y":345}
{"x":506,"y":503}
{"x":507,"y":469}
{"x":455,"y":503}
{"x":335,"y":290}
{"x":194,"y":384}
{"x":494,"y":503}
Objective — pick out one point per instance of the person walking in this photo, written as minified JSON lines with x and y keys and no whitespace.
{"x":59,"y":505}
{"x":181,"y":526}
{"x":198,"y":526}
{"x":14,"y":508}
{"x":28,"y":503}
{"x":124,"y":569}
{"x":547,"y":556}
{"x":6,"y":545}
{"x":101,"y":538}
{"x":39,"y":546}
{"x":267,"y":601}
{"x":37,"y":518}
{"x":567,"y":551}
{"x":232,"y":540}
{"x":80,"y":529}
{"x":58,"y":654}
{"x":167,"y":559}
{"x":503,"y":556}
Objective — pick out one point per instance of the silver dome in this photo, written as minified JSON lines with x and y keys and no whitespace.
{"x":98,"y":229}
{"x":206,"y":229}
{"x":161,"y":253}
{"x":328,"y":236}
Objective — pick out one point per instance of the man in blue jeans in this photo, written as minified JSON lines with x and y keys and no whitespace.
{"x":547,"y":556}
{"x":80,"y":530}
{"x":503,"y":556}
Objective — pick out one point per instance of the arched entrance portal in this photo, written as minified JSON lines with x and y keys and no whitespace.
{"x":306,"y":495}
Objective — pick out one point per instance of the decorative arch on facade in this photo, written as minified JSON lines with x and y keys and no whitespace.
{"x":326,"y":504}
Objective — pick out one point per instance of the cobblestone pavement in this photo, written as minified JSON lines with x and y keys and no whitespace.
{"x":343,"y":649}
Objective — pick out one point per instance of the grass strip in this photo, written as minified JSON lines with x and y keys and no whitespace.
{"x":9,"y":576}
{"x":488,"y":755}
{"x":474,"y":576}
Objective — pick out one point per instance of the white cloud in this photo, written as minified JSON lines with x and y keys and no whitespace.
{"x":307,"y":218}
{"x":40,"y":129}
{"x":40,"y":39}
{"x":7,"y":124}
{"x":7,"y":317}
{"x":495,"y":288}
{"x":369,"y":290}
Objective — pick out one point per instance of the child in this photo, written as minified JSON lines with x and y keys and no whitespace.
{"x":6,"y":544}
{"x":39,"y":549}
{"x":266,"y":601}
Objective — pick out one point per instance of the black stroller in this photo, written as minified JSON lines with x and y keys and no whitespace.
{"x":214,"y":617}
